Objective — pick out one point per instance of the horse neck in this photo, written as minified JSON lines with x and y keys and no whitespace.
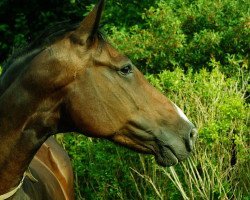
{"x":23,"y":129}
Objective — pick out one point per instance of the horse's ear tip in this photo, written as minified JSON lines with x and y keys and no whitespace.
{"x":90,"y":24}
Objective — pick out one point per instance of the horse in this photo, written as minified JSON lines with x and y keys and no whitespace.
{"x":74,"y":80}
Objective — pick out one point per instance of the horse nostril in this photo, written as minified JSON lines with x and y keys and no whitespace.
{"x":193,"y":134}
{"x":190,"y":140}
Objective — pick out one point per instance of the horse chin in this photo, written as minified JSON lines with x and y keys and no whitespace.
{"x":166,"y":157}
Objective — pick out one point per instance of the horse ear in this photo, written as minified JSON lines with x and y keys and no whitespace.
{"x":90,"y":24}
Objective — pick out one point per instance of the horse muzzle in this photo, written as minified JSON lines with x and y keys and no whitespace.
{"x":171,"y":150}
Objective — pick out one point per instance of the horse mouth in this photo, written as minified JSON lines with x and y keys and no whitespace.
{"x":166,"y":156}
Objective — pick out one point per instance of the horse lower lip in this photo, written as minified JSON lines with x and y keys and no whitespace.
{"x":166,"y":157}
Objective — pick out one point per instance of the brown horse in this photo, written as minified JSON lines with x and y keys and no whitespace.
{"x":76,"y":81}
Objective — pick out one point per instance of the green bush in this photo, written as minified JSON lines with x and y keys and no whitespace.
{"x":188,"y":34}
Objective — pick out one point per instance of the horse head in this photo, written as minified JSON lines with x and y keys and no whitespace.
{"x":102,"y":94}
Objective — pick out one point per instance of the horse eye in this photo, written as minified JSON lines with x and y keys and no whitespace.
{"x":127,"y":69}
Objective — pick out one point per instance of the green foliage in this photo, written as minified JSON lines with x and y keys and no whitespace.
{"x":218,"y":107}
{"x":188,"y":34}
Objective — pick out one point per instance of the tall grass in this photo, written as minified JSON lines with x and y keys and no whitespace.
{"x":220,"y":166}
